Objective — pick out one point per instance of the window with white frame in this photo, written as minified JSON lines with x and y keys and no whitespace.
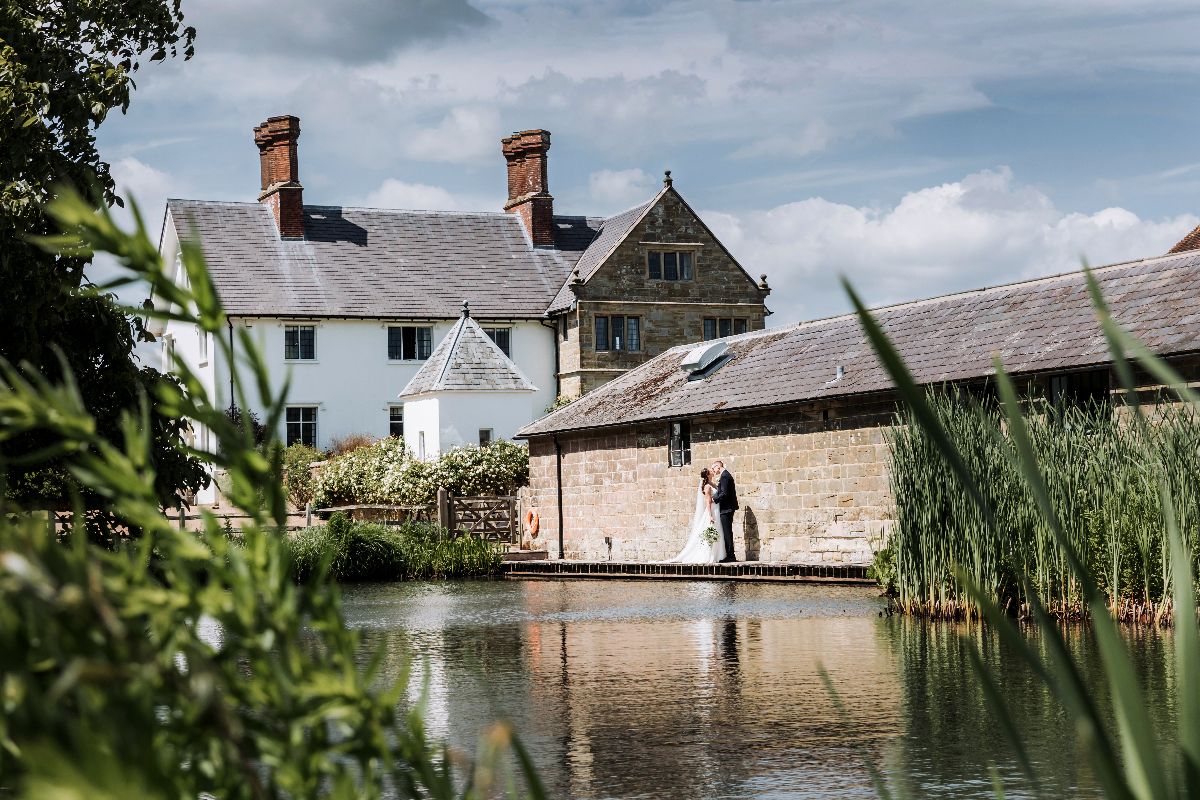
{"x":503,"y":339}
{"x":619,"y":333}
{"x":409,"y":342}
{"x":300,"y":342}
{"x":301,"y":422}
{"x":202,"y":347}
{"x":485,"y":437}
{"x":670,"y":265}
{"x":396,"y":421}
{"x":421,"y":445}
{"x":168,"y":353}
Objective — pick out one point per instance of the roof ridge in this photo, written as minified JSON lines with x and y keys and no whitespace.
{"x":457,"y":332}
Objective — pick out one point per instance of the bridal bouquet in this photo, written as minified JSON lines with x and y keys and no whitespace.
{"x":710,"y":534}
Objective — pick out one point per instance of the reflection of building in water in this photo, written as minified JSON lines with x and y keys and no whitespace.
{"x":713,"y":700}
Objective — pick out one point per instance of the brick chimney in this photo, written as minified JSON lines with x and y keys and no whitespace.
{"x":281,"y":190}
{"x":528,"y":187}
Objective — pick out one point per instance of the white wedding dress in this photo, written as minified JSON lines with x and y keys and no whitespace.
{"x":696,"y":550}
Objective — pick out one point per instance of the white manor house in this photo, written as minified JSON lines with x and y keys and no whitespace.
{"x":447,"y":328}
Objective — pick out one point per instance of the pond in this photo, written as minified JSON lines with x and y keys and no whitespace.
{"x":626,"y":689}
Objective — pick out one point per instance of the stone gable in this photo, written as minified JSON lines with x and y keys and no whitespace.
{"x":671,"y":312}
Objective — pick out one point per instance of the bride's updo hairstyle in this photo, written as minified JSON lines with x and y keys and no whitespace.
{"x":704,"y":476}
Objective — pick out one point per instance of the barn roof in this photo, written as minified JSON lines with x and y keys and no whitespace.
{"x":467,"y":360}
{"x":1040,"y":325}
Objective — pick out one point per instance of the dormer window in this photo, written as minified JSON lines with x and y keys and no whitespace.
{"x":670,"y":265}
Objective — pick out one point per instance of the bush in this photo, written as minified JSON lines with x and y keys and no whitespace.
{"x":297,"y":477}
{"x":349,"y":443}
{"x":240,"y":417}
{"x":363,"y":551}
{"x":384,"y":472}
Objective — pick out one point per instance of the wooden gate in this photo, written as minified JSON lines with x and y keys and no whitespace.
{"x":491,"y":518}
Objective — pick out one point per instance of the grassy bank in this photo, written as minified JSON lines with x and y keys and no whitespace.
{"x":1099,"y":472}
{"x":360,"y":551}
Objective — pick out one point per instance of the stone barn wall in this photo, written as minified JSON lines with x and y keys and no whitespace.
{"x":812,"y":482}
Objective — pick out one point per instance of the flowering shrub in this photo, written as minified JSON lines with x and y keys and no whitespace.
{"x":360,"y":475}
{"x":297,"y":478}
{"x":385,"y":473}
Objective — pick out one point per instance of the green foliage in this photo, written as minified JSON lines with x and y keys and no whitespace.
{"x":297,"y":477}
{"x":244,"y":419}
{"x":562,"y":401}
{"x":384,"y":472}
{"x":362,"y":551}
{"x":185,"y":664}
{"x":1097,"y":467}
{"x":883,"y":566}
{"x":1127,"y":759}
{"x":63,"y":67}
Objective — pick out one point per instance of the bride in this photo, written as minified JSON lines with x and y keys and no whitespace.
{"x":698,"y":549}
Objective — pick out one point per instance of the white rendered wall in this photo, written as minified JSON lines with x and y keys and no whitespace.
{"x":453,"y":419}
{"x":184,"y":339}
{"x":353,"y":384}
{"x":422,"y":417}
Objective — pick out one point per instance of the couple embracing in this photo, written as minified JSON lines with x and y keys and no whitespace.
{"x":710,"y":538}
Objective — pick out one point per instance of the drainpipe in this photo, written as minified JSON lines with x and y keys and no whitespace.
{"x":558,"y":469}
{"x":229,"y":322}
{"x":553,"y":326}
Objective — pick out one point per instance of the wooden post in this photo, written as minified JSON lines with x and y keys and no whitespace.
{"x":308,"y":514}
{"x":444,"y":516}
{"x":182,"y":518}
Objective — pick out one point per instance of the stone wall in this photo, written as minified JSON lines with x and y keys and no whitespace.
{"x":812,"y":482}
{"x":672,"y":312}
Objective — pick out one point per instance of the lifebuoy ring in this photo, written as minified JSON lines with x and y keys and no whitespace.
{"x":532,"y":521}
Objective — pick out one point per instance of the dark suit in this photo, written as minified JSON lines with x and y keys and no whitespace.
{"x":725,"y":499}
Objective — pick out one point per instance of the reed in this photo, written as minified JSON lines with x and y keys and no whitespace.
{"x":1147,"y":458}
{"x":1098,"y":467}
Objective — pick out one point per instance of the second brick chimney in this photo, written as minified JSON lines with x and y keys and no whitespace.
{"x":281,"y":190}
{"x":528,"y":187}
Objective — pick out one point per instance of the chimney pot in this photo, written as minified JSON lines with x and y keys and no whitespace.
{"x":528,"y":183}
{"x":280,"y":170}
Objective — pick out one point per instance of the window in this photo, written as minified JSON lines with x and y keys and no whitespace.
{"x":302,"y":425}
{"x":503,"y":339}
{"x":720,"y":327}
{"x":299,"y":342}
{"x":168,"y":353}
{"x":485,"y":437}
{"x":409,"y":343}
{"x":619,"y":333}
{"x":421,"y":445}
{"x":680,"y":447}
{"x":670,"y":265}
{"x":396,"y":421}
{"x":1079,"y":388}
{"x":202,"y":347}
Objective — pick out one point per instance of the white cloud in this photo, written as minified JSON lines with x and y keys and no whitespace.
{"x":148,"y":185}
{"x":981,"y":230}
{"x":464,"y":134}
{"x":614,"y":190}
{"x":393,"y":193}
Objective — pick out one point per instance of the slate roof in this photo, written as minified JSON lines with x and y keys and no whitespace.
{"x":380,"y":263}
{"x":611,"y":233}
{"x":467,"y":360}
{"x":1035,"y":326}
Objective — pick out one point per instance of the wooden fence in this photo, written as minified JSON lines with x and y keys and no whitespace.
{"x":491,"y":518}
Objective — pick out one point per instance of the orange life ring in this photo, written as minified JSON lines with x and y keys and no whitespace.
{"x":532,"y":521}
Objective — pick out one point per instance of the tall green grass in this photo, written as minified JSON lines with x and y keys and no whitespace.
{"x":348,"y":551}
{"x":1125,"y":757}
{"x":1099,"y":466}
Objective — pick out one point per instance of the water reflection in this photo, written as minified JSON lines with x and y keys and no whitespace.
{"x":711,"y":690}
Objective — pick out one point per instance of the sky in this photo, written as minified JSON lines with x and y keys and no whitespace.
{"x":915,"y":148}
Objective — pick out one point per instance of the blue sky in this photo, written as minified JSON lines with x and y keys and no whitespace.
{"x":917,"y":148}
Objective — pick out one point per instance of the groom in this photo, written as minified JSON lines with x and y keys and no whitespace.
{"x":725,"y":499}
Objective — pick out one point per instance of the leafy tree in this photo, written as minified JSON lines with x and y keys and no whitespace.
{"x":63,"y":67}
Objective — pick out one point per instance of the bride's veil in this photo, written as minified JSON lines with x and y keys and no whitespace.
{"x":700,"y":517}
